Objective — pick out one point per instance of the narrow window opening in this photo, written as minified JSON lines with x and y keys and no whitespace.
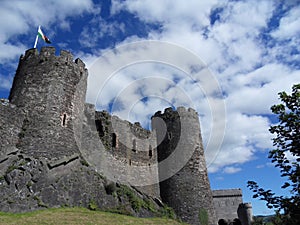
{"x":129,"y":162}
{"x":114,"y":140}
{"x":170,"y":135}
{"x":64,"y":120}
{"x":99,"y":128}
{"x":150,"y":152}
{"x":134,"y":145}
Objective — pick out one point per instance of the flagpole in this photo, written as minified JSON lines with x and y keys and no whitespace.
{"x":36,"y":39}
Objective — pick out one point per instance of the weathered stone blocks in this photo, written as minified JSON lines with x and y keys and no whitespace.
{"x":55,"y":149}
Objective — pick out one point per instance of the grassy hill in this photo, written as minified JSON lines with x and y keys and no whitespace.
{"x":78,"y":216}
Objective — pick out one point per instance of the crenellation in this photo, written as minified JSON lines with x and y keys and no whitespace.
{"x":47,"y":51}
{"x":29,"y":53}
{"x":244,"y":212}
{"x":47,"y":127}
{"x":181,"y":109}
{"x":80,"y":63}
{"x":66,"y":55}
{"x":192,"y":111}
{"x":168,"y":110}
{"x":227,"y":202}
{"x":53,"y":94}
{"x":188,"y":190}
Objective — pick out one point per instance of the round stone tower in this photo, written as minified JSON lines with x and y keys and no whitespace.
{"x":245,"y":213}
{"x":51,"y":91}
{"x":184,"y":183}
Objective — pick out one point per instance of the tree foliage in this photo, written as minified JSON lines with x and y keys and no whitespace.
{"x":285,"y":156}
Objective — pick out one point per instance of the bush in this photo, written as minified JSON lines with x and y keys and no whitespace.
{"x":203,"y":216}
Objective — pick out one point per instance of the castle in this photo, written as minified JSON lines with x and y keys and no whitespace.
{"x":57,"y":150}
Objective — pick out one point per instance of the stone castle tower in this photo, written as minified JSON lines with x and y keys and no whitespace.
{"x":41,"y":150}
{"x":51,"y":89}
{"x":182,"y":168}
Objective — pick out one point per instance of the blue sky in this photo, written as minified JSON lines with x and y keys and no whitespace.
{"x":251,"y":48}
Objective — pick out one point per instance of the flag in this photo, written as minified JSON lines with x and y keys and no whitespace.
{"x":43,"y":36}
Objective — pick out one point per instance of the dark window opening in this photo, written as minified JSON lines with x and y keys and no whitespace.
{"x":99,"y":128}
{"x":170,"y":135}
{"x":134,"y":145}
{"x":150,"y":151}
{"x":129,"y":162}
{"x":64,"y":118}
{"x":114,"y":140}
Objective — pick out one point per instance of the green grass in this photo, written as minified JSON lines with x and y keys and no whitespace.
{"x":77,"y":216}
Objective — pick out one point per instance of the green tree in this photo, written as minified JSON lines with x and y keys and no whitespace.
{"x":257,"y":221}
{"x":286,"y":142}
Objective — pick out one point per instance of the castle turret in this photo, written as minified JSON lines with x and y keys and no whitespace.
{"x":245,"y":213}
{"x":51,"y":91}
{"x":184,"y":183}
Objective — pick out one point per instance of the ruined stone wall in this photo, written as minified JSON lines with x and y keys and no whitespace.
{"x":133,"y":147}
{"x":227,"y":202}
{"x":56,"y":150}
{"x":45,"y":131}
{"x":181,"y":155}
{"x":51,"y":90}
{"x":11,"y":119}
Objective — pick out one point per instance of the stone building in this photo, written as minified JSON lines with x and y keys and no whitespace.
{"x":56,"y":150}
{"x":229,"y":205}
{"x":181,"y":153}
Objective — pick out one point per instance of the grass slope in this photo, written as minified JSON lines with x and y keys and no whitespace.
{"x":78,"y":216}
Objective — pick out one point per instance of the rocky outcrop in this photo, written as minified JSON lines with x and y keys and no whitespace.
{"x":28,"y":184}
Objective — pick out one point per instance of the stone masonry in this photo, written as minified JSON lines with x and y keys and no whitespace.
{"x":56,"y":150}
{"x":226,"y":203}
{"x":181,"y":153}
{"x":42,"y":140}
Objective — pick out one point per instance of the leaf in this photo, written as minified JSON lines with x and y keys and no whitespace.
{"x":286,"y":184}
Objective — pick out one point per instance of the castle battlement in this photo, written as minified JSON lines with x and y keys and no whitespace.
{"x":48,"y":52}
{"x":237,"y":192}
{"x":55,"y":133}
{"x":51,"y":89}
{"x":179,"y":111}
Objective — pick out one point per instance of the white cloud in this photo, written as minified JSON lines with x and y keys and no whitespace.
{"x":5,"y":82}
{"x":256,"y":92}
{"x":261,"y":166}
{"x":25,"y":16}
{"x":231,"y":169}
{"x":244,"y":135}
{"x":247,"y":70}
{"x":292,"y":158}
{"x":169,"y":11}
{"x":10,"y":51}
{"x":289,"y":25}
{"x":99,"y":28}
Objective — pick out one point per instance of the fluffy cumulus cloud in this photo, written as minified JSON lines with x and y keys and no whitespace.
{"x":22,"y":17}
{"x":5,"y":82}
{"x":226,"y":59}
{"x":243,"y":47}
{"x":289,"y":25}
{"x":231,"y":169}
